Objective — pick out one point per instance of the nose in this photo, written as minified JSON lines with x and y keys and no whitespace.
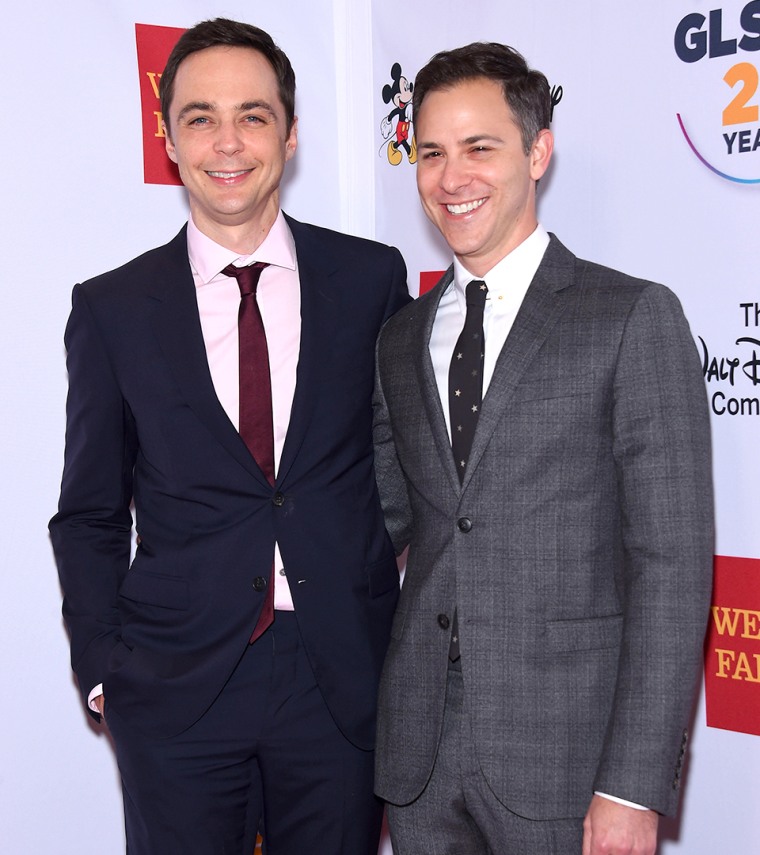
{"x":228,"y":138}
{"x":454,"y":175}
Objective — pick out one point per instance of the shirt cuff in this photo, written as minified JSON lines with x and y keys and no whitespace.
{"x":621,"y":801}
{"x":95,"y":693}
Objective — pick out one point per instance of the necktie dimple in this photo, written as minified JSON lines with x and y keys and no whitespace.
{"x":465,"y":396}
{"x":256,"y":425}
{"x":466,"y":377}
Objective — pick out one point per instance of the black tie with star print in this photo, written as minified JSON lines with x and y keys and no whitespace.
{"x":465,"y":396}
{"x":466,"y":377}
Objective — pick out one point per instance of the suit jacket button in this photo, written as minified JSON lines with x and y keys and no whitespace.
{"x":278,"y":499}
{"x":443,"y":621}
{"x":464,"y":524}
{"x":259,"y":584}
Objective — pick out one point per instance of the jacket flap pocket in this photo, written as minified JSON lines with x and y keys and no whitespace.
{"x":569,"y":636}
{"x":155,"y":590}
{"x":383,"y":576}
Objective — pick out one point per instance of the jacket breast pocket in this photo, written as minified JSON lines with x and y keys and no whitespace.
{"x":572,"y":636}
{"x":543,"y":386}
{"x":155,"y":589}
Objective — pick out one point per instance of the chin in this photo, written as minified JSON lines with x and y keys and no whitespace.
{"x":464,"y":250}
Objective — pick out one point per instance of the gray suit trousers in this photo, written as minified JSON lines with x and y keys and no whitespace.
{"x":457,"y":812}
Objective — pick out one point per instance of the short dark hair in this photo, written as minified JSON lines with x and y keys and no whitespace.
{"x":224,"y":32}
{"x":526,"y":91}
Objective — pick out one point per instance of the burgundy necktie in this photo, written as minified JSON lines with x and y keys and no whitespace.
{"x":255,"y":426}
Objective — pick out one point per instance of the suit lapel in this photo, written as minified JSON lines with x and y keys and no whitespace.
{"x":176,"y":323}
{"x":427,"y":307}
{"x":319,"y":327}
{"x":539,"y":312}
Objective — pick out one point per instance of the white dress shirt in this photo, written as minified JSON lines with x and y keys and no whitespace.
{"x":507,"y":283}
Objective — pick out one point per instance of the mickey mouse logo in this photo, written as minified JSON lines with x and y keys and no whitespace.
{"x":396,"y":127}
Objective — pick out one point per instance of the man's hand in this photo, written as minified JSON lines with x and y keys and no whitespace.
{"x":99,"y":701}
{"x":614,"y":829}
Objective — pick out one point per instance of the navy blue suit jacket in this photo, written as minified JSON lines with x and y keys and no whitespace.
{"x":144,"y":427}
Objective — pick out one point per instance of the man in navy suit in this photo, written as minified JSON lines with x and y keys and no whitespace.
{"x":217,"y":735}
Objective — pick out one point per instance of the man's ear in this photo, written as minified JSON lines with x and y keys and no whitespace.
{"x":291,"y":143}
{"x":541,"y":153}
{"x":169,"y":144}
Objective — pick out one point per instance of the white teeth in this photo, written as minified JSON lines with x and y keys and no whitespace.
{"x":464,"y":208}
{"x":227,"y":174}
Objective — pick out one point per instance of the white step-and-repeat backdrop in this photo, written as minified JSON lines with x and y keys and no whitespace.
{"x":656,"y":172}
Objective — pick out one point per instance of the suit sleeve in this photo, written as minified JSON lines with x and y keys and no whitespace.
{"x":398,"y":293}
{"x":91,"y":532}
{"x":390,"y":480}
{"x":662,"y":455}
{"x":391,"y":483}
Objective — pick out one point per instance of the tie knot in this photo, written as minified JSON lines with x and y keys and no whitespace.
{"x":476,"y":293}
{"x":247,"y":277}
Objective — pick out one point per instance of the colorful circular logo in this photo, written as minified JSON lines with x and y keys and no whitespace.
{"x":720,"y":92}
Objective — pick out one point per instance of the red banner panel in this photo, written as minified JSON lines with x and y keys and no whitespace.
{"x":154,"y":44}
{"x":428,"y":278}
{"x":732,"y":646}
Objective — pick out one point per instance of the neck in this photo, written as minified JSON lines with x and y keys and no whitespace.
{"x":243,"y":238}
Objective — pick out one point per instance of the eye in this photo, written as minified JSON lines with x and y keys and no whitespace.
{"x":198,"y":120}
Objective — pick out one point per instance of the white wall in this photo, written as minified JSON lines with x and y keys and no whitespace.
{"x":625,"y":190}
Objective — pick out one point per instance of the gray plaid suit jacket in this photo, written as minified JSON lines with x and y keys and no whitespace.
{"x":578,"y":550}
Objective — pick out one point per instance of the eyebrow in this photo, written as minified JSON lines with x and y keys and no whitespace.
{"x":257,"y":105}
{"x":208,"y":107}
{"x":477,"y":138}
{"x":203,"y":106}
{"x":482,"y":138}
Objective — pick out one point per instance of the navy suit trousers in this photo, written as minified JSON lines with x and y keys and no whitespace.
{"x":266,"y":756}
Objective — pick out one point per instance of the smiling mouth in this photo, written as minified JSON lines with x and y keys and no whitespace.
{"x":465,"y":207}
{"x":228,"y":174}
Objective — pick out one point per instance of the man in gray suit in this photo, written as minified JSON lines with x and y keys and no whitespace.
{"x":548,"y":639}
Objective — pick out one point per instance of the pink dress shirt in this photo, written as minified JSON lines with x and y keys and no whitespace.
{"x":279,"y":298}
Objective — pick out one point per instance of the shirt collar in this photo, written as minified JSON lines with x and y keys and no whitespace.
{"x":208,"y":258}
{"x":515,"y":271}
